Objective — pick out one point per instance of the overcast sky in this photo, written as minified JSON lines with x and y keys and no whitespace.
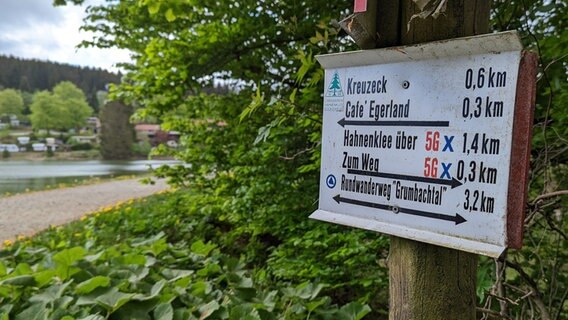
{"x":36,"y":29}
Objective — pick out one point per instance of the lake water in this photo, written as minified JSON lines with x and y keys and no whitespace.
{"x":19,"y":176}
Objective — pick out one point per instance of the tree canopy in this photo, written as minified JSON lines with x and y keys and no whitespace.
{"x":11,"y":102}
{"x":75,"y":104}
{"x":64,"y":108}
{"x":47,"y":111}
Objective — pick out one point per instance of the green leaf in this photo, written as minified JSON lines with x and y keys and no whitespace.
{"x":159,"y":247}
{"x":244,"y":312}
{"x":5,"y":311}
{"x":208,"y":309}
{"x":200,"y":288}
{"x":150,"y":240}
{"x":154,"y":7}
{"x":114,"y":299}
{"x":154,"y":292}
{"x":305,"y":290}
{"x":164,"y":311}
{"x":37,"y":311}
{"x":313,"y":305}
{"x":25,"y":280}
{"x":3,"y":269}
{"x":170,"y":16}
{"x":50,"y":294}
{"x":132,"y":259}
{"x":43,"y":278}
{"x":63,"y":302}
{"x":263,"y":133}
{"x":136,"y":310}
{"x":246,"y":294}
{"x":201,"y":248}
{"x":354,"y":310}
{"x":174,"y":274}
{"x":92,"y":284}
{"x":69,"y":256}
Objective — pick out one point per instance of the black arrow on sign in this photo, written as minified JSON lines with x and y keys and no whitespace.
{"x":457,"y":219}
{"x":453,"y":183}
{"x":344,"y":123}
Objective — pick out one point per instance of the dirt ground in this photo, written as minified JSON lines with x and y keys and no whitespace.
{"x":26,"y":214}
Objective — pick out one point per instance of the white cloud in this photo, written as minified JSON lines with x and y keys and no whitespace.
{"x":51,"y":33}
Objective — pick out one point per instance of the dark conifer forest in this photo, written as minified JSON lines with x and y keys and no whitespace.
{"x":35,"y":75}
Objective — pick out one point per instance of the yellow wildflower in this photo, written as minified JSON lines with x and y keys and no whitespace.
{"x":7,"y":243}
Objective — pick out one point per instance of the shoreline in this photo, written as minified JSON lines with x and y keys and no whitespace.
{"x":68,"y":156}
{"x":42,"y":156}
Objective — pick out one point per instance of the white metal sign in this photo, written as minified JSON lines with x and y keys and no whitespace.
{"x":417,"y":141}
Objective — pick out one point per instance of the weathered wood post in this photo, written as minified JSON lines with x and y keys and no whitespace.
{"x":426,"y":281}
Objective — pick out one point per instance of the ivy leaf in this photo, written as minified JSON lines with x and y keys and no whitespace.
{"x":244,"y":312}
{"x":92,"y":284}
{"x":201,"y":248}
{"x":354,"y":311}
{"x":43,"y":278}
{"x":69,"y":256}
{"x":154,"y":292}
{"x":114,"y":299}
{"x":50,"y":294}
{"x":305,"y":290}
{"x":24,"y":280}
{"x":5,"y":311}
{"x":164,"y":311}
{"x":313,"y":305}
{"x":36,"y":311}
{"x":174,"y":274}
{"x":208,"y":309}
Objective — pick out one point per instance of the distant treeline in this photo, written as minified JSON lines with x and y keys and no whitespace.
{"x":35,"y":75}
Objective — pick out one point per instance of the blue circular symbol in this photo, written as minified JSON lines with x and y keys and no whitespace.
{"x":330,"y":181}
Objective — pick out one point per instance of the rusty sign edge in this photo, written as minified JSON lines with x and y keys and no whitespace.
{"x":521,"y":146}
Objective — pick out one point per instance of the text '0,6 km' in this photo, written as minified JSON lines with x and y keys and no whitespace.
{"x":418,"y":141}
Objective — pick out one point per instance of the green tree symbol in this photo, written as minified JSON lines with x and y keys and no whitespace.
{"x":335,"y":86}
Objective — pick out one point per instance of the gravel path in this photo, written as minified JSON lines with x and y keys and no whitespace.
{"x":26,"y":214}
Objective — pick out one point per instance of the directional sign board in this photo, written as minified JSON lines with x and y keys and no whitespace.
{"x":417,"y":141}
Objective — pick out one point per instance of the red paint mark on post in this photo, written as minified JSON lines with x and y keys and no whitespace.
{"x":360,"y":6}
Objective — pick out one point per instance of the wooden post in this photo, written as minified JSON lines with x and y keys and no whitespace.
{"x":427,"y":282}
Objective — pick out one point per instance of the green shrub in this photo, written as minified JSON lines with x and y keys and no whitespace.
{"x":142,"y":148}
{"x":81,"y":146}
